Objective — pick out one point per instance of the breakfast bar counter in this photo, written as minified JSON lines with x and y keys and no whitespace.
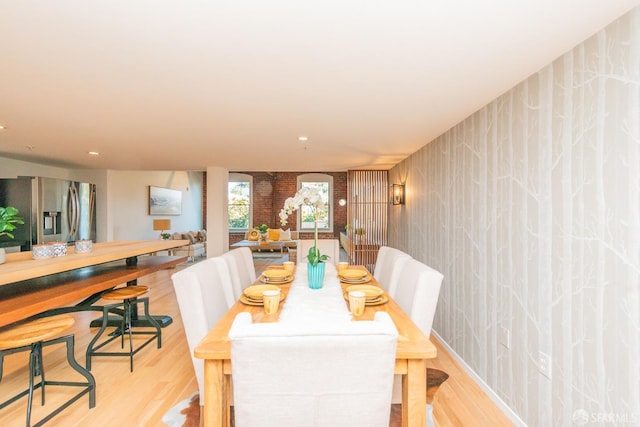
{"x":31,"y":287}
{"x":21,"y":266}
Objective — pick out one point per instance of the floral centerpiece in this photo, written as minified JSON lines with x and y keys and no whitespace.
{"x":309,"y":197}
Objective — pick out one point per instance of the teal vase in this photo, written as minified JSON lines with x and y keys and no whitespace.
{"x":315,"y":275}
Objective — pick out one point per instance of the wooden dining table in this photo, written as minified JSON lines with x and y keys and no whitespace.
{"x":412,"y":352}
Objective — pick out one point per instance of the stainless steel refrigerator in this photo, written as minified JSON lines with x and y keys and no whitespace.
{"x":54,"y":210}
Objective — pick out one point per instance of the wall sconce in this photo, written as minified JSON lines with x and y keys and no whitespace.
{"x":161,"y":225}
{"x":397,"y":194}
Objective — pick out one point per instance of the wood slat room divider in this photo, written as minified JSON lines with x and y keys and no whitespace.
{"x":368,"y":195}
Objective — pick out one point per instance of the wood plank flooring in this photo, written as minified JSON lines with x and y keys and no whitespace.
{"x":163,"y":377}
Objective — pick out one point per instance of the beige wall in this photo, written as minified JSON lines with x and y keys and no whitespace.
{"x":123,"y":197}
{"x":128,"y":202}
{"x":530,"y":209}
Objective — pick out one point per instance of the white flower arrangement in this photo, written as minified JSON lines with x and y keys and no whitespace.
{"x":309,"y":197}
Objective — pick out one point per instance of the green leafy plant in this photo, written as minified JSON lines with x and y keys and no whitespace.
{"x":8,"y":219}
{"x":165,"y":236}
{"x":262,"y":228}
{"x":314,"y":257}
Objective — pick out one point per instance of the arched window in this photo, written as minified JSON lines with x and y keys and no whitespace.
{"x":324,"y":184}
{"x":240,"y":201}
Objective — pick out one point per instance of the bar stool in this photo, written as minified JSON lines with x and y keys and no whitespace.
{"x":32,"y":336}
{"x":129,"y":297}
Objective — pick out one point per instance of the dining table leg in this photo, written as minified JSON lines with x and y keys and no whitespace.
{"x":215,"y":403}
{"x":414,"y":394}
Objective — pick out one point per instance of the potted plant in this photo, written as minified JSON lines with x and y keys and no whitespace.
{"x":8,"y":220}
{"x":262,"y":229}
{"x":165,"y":236}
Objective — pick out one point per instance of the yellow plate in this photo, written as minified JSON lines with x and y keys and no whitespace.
{"x":250,"y":301}
{"x":370,"y":291}
{"x":255,"y":291}
{"x":361,"y":280}
{"x":382,"y":299}
{"x":353,"y":274}
{"x":276,"y":274}
{"x":277,"y":281}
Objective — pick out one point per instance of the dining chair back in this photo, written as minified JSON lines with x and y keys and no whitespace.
{"x":241,"y":269}
{"x":388,"y":267}
{"x":417,"y":292}
{"x":330,"y":247}
{"x":203,"y":298}
{"x":293,"y":374}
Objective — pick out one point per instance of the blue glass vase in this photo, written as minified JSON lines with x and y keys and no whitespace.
{"x":315,"y":275}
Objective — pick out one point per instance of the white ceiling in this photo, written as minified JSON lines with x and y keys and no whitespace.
{"x":182,"y":85}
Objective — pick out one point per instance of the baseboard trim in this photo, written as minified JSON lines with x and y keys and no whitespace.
{"x":478,"y":380}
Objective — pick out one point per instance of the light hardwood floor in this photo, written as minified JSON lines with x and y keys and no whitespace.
{"x":163,"y":377}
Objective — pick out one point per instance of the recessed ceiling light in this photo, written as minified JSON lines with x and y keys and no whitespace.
{"x":2,"y":127}
{"x":94,"y":153}
{"x":303,"y":138}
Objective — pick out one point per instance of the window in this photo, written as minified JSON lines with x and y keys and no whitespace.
{"x":239,"y":201}
{"x":324,"y":184}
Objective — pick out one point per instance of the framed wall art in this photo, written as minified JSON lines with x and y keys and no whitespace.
{"x":164,"y":201}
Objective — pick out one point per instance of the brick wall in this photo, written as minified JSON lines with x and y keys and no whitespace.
{"x":271,"y":189}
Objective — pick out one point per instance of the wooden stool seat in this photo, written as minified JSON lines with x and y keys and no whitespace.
{"x":126,"y":292}
{"x":38,"y":330}
{"x":32,"y":337}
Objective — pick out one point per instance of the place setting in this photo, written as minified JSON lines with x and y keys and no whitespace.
{"x":353,"y":276}
{"x":373,"y":295}
{"x":277,"y":276}
{"x":255,"y":294}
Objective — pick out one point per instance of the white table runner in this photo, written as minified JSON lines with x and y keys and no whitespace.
{"x":323,"y":305}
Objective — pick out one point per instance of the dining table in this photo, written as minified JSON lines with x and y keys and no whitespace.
{"x":302,"y":304}
{"x":31,"y":288}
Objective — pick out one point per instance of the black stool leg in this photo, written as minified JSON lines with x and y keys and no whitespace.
{"x":127,"y":310}
{"x":91,"y":382}
{"x":90,"y":349}
{"x":126,"y":323}
{"x":33,"y":363}
{"x":153,"y":322}
{"x":39,"y":366}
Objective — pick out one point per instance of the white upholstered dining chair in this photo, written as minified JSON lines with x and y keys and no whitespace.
{"x":330,"y":247}
{"x":293,"y":374}
{"x":241,"y":269}
{"x":203,"y":292}
{"x":417,"y":292}
{"x":388,"y":267}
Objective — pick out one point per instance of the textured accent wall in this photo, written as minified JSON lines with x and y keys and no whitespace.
{"x":271,"y":189}
{"x":531,"y":210}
